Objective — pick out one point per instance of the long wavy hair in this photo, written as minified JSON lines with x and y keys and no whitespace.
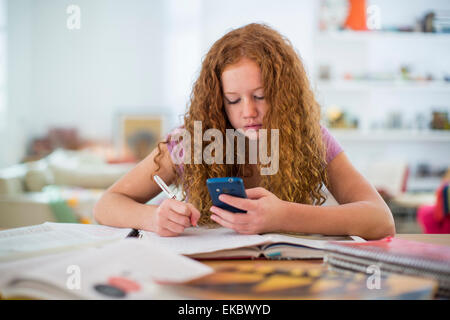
{"x":292,"y":109}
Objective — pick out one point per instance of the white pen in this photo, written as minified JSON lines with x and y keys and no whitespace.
{"x":160,"y":182}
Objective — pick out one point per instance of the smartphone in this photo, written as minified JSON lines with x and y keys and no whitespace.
{"x":233,"y":186}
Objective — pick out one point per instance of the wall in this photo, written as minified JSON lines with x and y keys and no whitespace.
{"x":81,"y":78}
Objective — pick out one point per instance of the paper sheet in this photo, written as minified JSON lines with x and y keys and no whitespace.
{"x":200,"y":240}
{"x":131,"y":260}
{"x":47,"y":237}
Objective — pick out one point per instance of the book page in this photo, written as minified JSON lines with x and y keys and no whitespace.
{"x":311,"y":241}
{"x":201,"y":240}
{"x":125,"y":269}
{"x":47,"y":237}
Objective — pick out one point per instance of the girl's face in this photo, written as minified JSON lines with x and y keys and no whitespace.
{"x":244,"y":96}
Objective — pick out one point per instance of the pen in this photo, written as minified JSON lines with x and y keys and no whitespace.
{"x":134,"y":233}
{"x":164,"y":187}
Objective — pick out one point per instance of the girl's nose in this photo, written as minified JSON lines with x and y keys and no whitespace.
{"x":250,"y":110}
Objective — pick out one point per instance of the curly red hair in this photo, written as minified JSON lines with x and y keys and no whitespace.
{"x":292,"y":109}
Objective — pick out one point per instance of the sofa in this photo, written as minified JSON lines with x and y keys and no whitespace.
{"x":62,"y":187}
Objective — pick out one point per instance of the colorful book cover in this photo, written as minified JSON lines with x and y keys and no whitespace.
{"x":265,"y":282}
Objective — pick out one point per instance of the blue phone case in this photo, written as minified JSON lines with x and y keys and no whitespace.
{"x":229,"y":185}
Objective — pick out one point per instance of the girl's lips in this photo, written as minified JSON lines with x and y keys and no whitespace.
{"x":255,"y":127}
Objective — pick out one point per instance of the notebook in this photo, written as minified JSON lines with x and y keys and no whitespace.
{"x":266,"y":282}
{"x":126,"y":269}
{"x":223,"y":243}
{"x":394,"y":255}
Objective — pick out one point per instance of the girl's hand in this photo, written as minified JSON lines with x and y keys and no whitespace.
{"x":172,"y":217}
{"x":262,"y":208}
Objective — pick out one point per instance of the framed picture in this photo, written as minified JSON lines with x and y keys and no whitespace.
{"x":139,"y":135}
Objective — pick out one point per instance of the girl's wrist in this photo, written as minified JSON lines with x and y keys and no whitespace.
{"x":146,"y":219}
{"x":289,"y":215}
{"x":283,"y":217}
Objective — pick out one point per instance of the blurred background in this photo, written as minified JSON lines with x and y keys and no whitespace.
{"x":87,"y":88}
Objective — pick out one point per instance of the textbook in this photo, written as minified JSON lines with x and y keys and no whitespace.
{"x":223,"y":243}
{"x":268,"y":283}
{"x":394,"y":255}
{"x":127,"y":269}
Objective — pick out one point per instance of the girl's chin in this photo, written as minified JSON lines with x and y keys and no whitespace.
{"x":252,"y":134}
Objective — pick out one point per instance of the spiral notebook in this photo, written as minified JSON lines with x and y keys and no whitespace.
{"x":394,"y":255}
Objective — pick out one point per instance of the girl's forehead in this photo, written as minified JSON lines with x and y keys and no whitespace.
{"x":243,"y":75}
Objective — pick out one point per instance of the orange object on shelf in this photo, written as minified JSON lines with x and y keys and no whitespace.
{"x":356,"y":19}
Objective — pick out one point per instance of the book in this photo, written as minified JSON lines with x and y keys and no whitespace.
{"x":264,"y":282}
{"x":126,"y":269}
{"x":223,"y":243}
{"x":394,"y":255}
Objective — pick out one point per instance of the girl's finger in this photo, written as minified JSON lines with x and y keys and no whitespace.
{"x":256,"y":193}
{"x":235,"y":218}
{"x":195,"y":214}
{"x":179,"y":218}
{"x":180,"y":207}
{"x":225,"y":223}
{"x":174,"y":227}
{"x":241,"y":203}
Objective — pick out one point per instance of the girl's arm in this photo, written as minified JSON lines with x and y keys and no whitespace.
{"x":362,"y":212}
{"x":124,"y":203}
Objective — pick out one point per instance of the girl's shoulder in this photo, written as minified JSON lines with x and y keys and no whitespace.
{"x":333,"y":148}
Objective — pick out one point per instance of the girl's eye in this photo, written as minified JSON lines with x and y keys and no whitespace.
{"x":259,"y":98}
{"x":234,"y":102}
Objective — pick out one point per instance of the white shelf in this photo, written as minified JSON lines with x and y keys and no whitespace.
{"x":391,"y":135}
{"x":366,"y":85}
{"x":380,"y":35}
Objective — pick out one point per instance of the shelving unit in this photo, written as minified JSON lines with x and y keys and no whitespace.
{"x":392,"y":135}
{"x":380,"y":35}
{"x":395,"y":85}
{"x":350,"y":55}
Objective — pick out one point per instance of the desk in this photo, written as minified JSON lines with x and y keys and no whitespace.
{"x":442,"y":239}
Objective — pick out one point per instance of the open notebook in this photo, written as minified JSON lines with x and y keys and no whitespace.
{"x":201,"y":243}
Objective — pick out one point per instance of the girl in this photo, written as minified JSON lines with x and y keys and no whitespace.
{"x":252,"y":79}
